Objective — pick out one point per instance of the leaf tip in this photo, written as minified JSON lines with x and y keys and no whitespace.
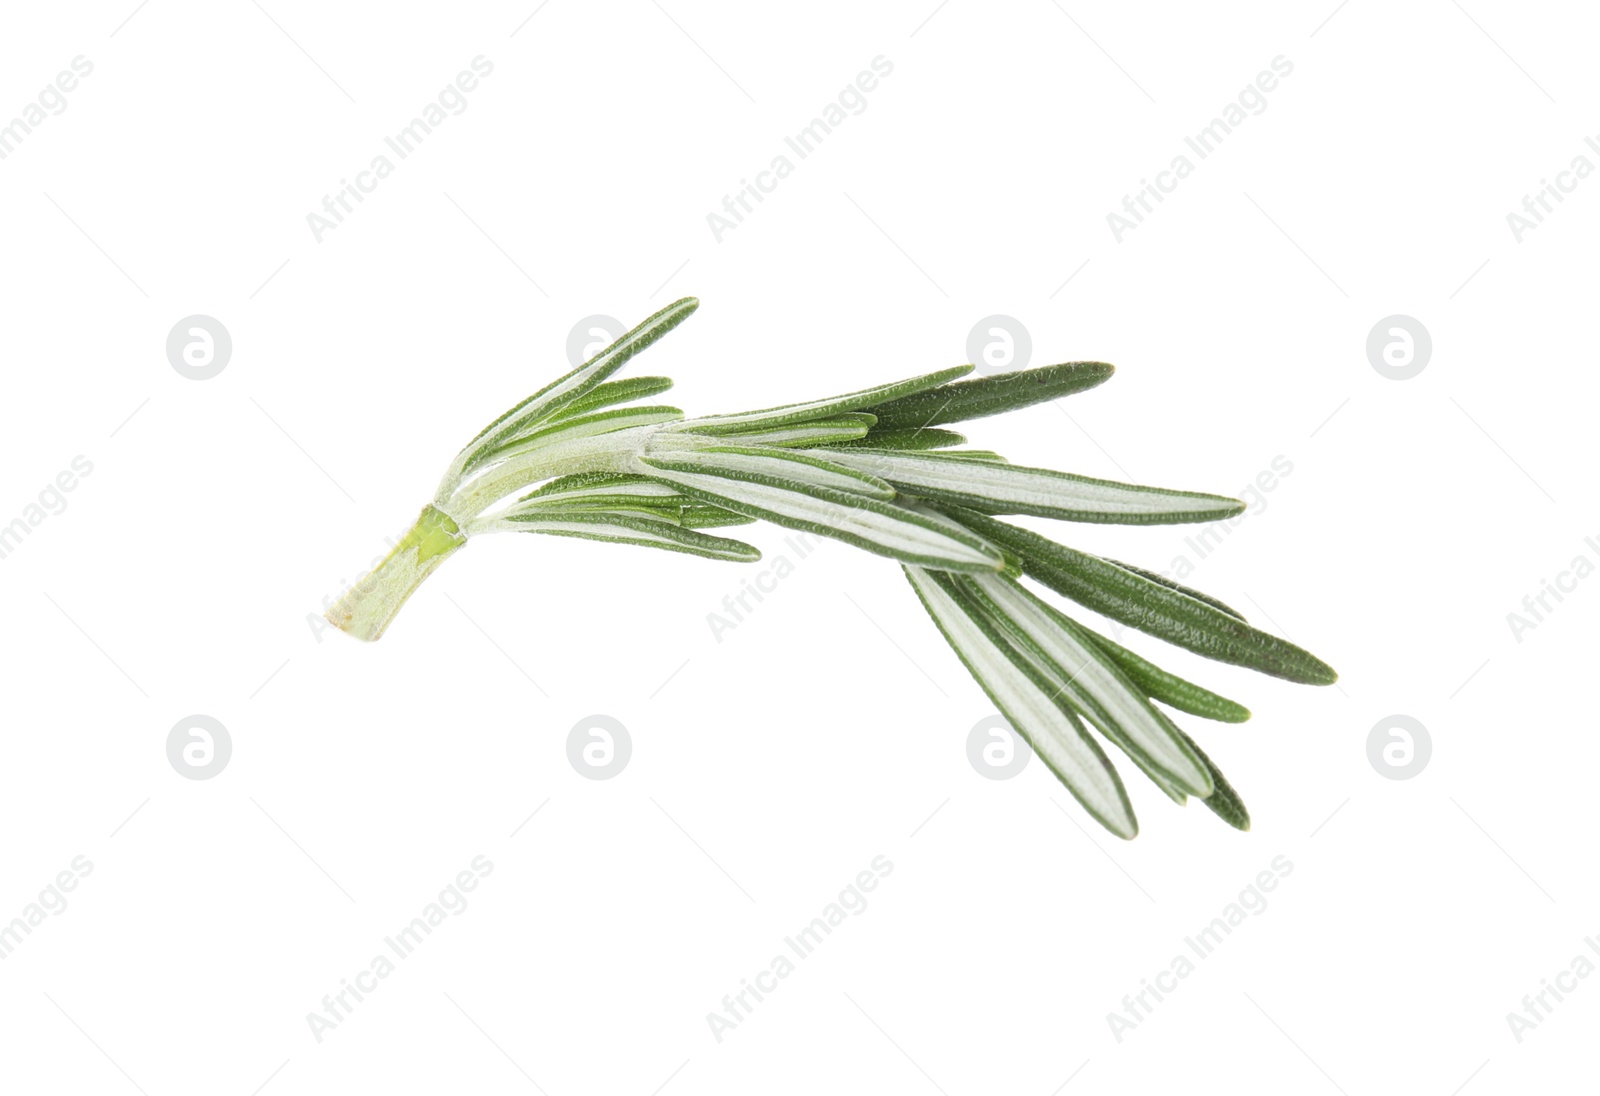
{"x":1318,"y":672}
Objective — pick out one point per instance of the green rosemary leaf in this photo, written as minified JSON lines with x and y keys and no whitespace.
{"x":563,"y":430}
{"x":1010,"y":565}
{"x":559,"y":393}
{"x":621,"y":528}
{"x":1028,"y":700}
{"x":773,"y":467}
{"x":601,"y":492}
{"x":1061,"y":683}
{"x":1169,"y":584}
{"x":1151,"y":607}
{"x":816,"y":409}
{"x":1168,"y":688}
{"x":636,"y":510}
{"x":861,"y":453}
{"x":991,"y":487}
{"x":591,"y":486}
{"x":985,"y":396}
{"x":613,"y":392}
{"x":904,"y":437}
{"x":699,"y":515}
{"x":839,"y":428}
{"x":1173,"y":792}
{"x":973,"y":454}
{"x":871,"y":524}
{"x":1224,"y":802}
{"x":1089,"y":680}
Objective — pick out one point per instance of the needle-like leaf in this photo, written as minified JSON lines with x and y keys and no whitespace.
{"x":877,"y":526}
{"x":1151,"y":607}
{"x":1224,"y":802}
{"x":838,"y":428}
{"x":564,"y":430}
{"x":1169,"y":688}
{"x":1169,"y":584}
{"x":556,"y":395}
{"x":993,"y":487}
{"x":604,"y":488}
{"x":905,"y":437}
{"x":1090,"y":680}
{"x":817,"y":409}
{"x":1028,"y":700}
{"x":623,"y":528}
{"x":773,"y":467}
{"x":982,"y":396}
{"x":700,"y":515}
{"x":615,"y":392}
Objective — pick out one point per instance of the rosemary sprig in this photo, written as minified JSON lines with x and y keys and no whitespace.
{"x":875,"y":469}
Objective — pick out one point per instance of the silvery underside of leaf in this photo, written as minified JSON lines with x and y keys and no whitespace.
{"x":583,"y":457}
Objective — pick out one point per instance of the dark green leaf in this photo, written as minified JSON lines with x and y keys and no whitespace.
{"x":1168,"y":688}
{"x":824,"y":408}
{"x":698,"y":515}
{"x":556,"y":395}
{"x":621,"y":528}
{"x":1151,"y":607}
{"x":613,"y":392}
{"x":904,"y":438}
{"x":982,"y":396}
{"x":1223,"y":800}
{"x":1169,"y":584}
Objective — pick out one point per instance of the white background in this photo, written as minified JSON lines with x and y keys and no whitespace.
{"x":830,"y":726}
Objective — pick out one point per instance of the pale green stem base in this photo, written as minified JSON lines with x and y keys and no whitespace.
{"x":368,"y":607}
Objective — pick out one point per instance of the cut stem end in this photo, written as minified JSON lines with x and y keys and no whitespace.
{"x":367,"y":607}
